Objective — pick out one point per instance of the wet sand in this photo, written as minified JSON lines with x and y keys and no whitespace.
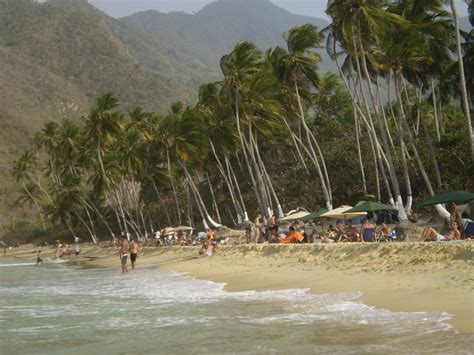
{"x":396,"y":276}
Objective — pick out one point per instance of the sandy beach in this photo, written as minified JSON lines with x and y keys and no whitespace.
{"x":396,"y":276}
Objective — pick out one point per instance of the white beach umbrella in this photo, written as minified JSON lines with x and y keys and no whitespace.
{"x":340,"y":213}
{"x":295,"y":216}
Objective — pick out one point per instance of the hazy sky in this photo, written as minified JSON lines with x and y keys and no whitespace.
{"x":118,"y":8}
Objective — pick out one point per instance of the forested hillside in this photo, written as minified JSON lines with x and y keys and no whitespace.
{"x":57,"y":57}
{"x":269,"y":132}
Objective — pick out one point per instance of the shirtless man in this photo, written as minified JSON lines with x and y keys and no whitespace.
{"x":124,"y":254}
{"x":134,"y":251}
{"x":432,"y":235}
{"x":258,"y":227}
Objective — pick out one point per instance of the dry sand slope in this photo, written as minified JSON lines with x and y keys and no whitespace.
{"x":396,"y":276}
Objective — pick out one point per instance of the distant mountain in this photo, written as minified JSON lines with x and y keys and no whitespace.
{"x":57,"y":57}
{"x":215,"y":29}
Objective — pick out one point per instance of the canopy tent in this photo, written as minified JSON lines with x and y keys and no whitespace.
{"x":315,"y":214}
{"x":341,"y":212}
{"x":295,"y":216}
{"x":370,"y":206}
{"x":183,"y":228}
{"x":168,"y":231}
{"x":447,"y":197}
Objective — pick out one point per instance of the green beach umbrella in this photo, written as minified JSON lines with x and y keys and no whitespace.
{"x":315,"y":214}
{"x":447,"y":197}
{"x":370,"y":206}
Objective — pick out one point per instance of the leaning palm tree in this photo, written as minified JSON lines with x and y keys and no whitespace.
{"x":301,"y":73}
{"x":240,"y":68}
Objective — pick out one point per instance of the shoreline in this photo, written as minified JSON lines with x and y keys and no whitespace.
{"x":401,"y":277}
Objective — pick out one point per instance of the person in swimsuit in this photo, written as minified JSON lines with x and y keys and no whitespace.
{"x":124,"y":254}
{"x":134,"y":251}
{"x":38,"y":258}
{"x":432,"y":235}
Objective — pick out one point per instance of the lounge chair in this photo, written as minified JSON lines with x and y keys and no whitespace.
{"x":469,"y":229}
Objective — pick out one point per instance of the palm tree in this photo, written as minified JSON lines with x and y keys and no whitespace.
{"x":462,"y":79}
{"x":245,"y":88}
{"x":22,"y":173}
{"x":103,"y":125}
{"x":301,"y":71}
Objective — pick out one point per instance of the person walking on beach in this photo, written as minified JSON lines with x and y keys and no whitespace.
{"x":124,"y":254}
{"x":134,"y":251}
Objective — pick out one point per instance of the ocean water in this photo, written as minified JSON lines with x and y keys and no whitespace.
{"x":55,"y":309}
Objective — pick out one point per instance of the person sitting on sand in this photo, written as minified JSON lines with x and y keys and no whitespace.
{"x":367,"y":226}
{"x":330,"y":235}
{"x":351,"y":232}
{"x":134,"y":251}
{"x":431,"y":235}
{"x":384,"y":232}
{"x":38,"y":258}
{"x":124,"y":254}
{"x":340,"y":233}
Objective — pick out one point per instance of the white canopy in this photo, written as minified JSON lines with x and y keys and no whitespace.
{"x":295,"y":216}
{"x":339,"y":213}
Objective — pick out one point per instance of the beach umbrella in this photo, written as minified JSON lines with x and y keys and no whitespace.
{"x":295,"y":216}
{"x":370,"y":206}
{"x":447,"y":197}
{"x":315,"y":214}
{"x":341,"y":212}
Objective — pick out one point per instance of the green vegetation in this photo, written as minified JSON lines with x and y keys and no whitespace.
{"x":271,"y":135}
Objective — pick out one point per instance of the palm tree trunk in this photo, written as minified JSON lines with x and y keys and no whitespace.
{"x":230,"y":187}
{"x":173,"y":186}
{"x":435,"y":110}
{"x":398,"y":82}
{"x":36,"y":205}
{"x":359,"y":151}
{"x":213,"y":199}
{"x":233,"y":177}
{"x":198,"y":196}
{"x":464,"y":99}
{"x":322,"y":177}
{"x":391,"y":167}
{"x":268,"y":180}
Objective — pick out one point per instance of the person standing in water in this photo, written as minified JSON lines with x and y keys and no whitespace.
{"x":38,"y":258}
{"x":134,"y":251}
{"x":124,"y":254}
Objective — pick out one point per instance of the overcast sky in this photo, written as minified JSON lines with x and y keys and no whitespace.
{"x":118,"y":8}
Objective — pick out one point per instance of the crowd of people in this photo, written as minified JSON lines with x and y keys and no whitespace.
{"x":297,"y":231}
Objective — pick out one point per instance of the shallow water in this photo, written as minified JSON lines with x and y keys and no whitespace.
{"x":53,"y":309}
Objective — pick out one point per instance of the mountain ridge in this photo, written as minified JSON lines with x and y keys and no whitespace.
{"x":262,"y":23}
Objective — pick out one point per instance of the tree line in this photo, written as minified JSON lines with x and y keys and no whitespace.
{"x":389,"y":120}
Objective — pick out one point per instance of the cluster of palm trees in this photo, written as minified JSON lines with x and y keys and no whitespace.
{"x":118,"y":170}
